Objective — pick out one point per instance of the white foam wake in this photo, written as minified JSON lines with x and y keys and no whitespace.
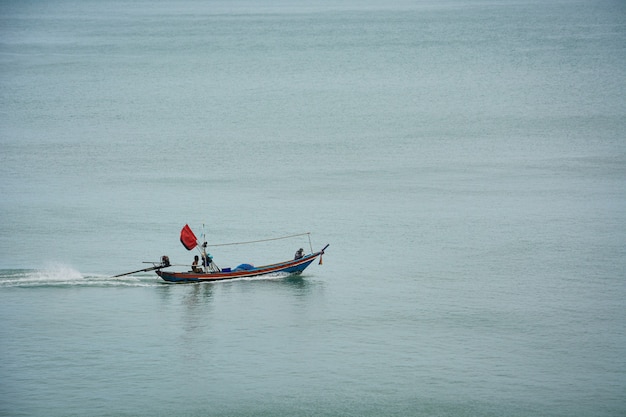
{"x":56,"y":273}
{"x":64,"y":275}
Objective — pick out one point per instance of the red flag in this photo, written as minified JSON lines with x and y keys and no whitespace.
{"x":187,"y":238}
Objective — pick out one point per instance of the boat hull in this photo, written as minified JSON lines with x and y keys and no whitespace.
{"x":293,"y":267}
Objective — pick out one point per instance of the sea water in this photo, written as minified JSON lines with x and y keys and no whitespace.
{"x":465,"y":160}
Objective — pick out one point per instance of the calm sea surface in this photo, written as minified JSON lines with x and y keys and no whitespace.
{"x":466,"y":161}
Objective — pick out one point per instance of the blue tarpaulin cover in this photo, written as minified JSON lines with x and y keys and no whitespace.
{"x":244,"y":267}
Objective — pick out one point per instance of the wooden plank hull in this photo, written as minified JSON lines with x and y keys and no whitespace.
{"x":293,"y":267}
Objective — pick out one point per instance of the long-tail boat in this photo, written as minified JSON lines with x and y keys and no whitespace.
{"x":292,"y":267}
{"x":209,"y":271}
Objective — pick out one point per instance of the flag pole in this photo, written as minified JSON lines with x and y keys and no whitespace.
{"x":205,"y":261}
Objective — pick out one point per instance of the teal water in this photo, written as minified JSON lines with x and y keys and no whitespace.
{"x":465,"y":160}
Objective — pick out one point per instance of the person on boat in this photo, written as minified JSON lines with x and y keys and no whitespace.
{"x":207,"y":259}
{"x":299,"y":254}
{"x":207,"y":262}
{"x":194,"y":265}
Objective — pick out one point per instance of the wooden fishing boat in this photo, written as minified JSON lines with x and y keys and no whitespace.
{"x":209,"y":271}
{"x":292,"y":267}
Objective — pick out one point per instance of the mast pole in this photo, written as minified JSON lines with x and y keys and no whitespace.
{"x":205,"y":261}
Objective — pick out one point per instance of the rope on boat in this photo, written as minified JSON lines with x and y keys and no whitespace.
{"x":263,"y":240}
